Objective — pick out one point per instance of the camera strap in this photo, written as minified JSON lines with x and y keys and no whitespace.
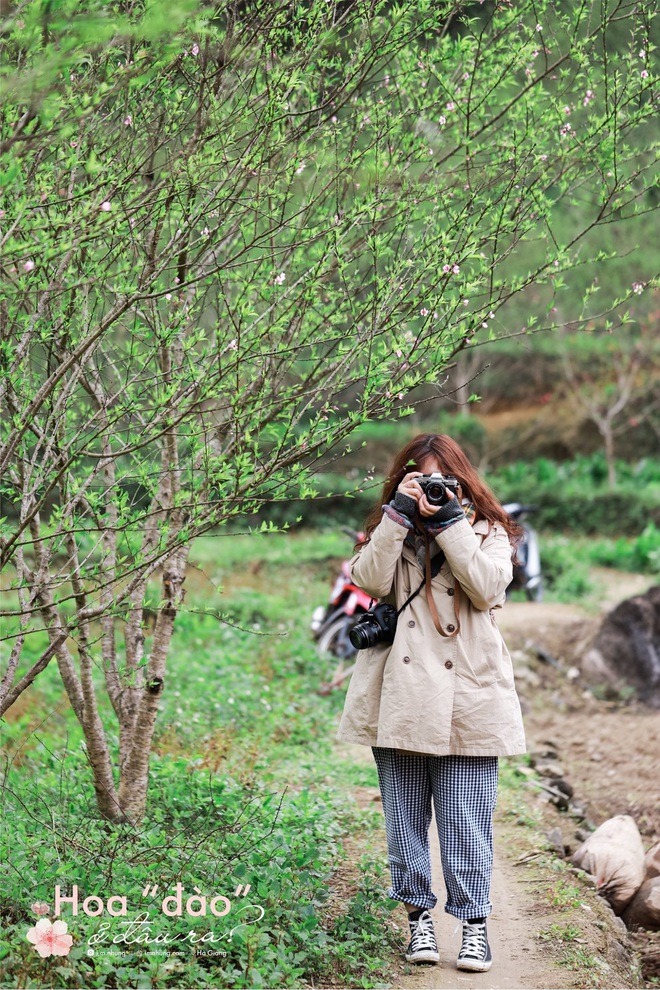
{"x":414,"y":595}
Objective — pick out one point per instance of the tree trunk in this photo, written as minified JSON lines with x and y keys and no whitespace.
{"x":135,"y":773}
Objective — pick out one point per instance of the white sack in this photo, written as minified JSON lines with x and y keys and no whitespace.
{"x":614,"y":856}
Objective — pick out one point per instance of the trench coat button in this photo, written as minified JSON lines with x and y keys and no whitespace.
{"x":448,"y":664}
{"x":406,"y":659}
{"x":411,"y":623}
{"x":450,"y":628}
{"x":450,"y":591}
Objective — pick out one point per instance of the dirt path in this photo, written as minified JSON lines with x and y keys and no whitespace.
{"x":520,"y":960}
{"x":518,"y":957}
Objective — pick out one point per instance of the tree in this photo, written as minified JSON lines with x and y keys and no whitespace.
{"x":232,"y":233}
{"x":628,"y":381}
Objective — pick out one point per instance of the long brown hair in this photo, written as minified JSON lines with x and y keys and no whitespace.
{"x":454,"y":462}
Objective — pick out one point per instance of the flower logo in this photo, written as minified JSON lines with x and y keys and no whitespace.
{"x":50,"y":938}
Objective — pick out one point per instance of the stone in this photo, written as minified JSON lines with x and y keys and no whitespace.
{"x":625,"y":653}
{"x":644,"y":909}
{"x":652,"y":862}
{"x":556,"y":841}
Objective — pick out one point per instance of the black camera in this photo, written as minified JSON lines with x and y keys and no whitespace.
{"x":435,"y":487}
{"x":378,"y":625}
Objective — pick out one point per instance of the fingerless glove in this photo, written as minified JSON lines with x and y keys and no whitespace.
{"x":448,"y":514}
{"x":402,"y":510}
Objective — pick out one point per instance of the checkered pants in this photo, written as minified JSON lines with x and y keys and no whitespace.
{"x":464,"y":791}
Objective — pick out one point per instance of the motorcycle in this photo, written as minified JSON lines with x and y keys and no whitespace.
{"x":331,"y":624}
{"x":527,"y":574}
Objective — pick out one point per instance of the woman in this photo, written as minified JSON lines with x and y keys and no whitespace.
{"x":438,"y":703}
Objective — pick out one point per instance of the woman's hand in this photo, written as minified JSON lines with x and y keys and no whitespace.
{"x":411,"y":489}
{"x":409,"y":486}
{"x":442,"y":515}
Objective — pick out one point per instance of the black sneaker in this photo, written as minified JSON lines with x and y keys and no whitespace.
{"x":422,"y":946}
{"x":475,"y":950}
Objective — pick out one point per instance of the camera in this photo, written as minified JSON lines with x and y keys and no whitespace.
{"x":435,"y":487}
{"x":378,"y":625}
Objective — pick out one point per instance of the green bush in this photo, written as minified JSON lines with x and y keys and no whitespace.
{"x":573,"y":497}
{"x":565,"y":573}
{"x":641,"y":554}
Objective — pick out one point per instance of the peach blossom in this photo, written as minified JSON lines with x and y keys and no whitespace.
{"x":50,"y":938}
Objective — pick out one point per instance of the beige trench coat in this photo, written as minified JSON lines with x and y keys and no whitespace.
{"x":425,"y":693}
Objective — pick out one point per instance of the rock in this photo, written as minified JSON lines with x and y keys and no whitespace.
{"x":614,"y":856}
{"x":644,"y":909}
{"x":540,"y":756}
{"x":548,"y":769}
{"x":556,"y":840}
{"x":578,"y":811}
{"x":626,"y":650}
{"x":652,"y":862}
{"x":561,"y":784}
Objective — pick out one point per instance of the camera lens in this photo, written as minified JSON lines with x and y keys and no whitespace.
{"x":436,"y":493}
{"x":361,"y":635}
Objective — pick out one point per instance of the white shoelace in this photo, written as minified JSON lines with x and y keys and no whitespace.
{"x":422,"y":934}
{"x":474,"y":941}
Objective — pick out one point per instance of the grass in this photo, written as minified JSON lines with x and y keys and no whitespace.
{"x":246,"y":791}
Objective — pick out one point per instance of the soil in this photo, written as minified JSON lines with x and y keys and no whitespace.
{"x":609,"y":752}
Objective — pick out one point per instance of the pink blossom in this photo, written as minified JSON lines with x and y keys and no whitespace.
{"x":399,"y":353}
{"x":567,"y":110}
{"x":423,"y":312}
{"x":446,"y":268}
{"x":642,"y":53}
{"x":485,"y":326}
{"x":442,"y":121}
{"x":638,"y":288}
{"x":644,"y":74}
{"x":205,"y":232}
{"x":450,"y":106}
{"x":28,"y":266}
{"x":195,"y":49}
{"x":232,"y":345}
{"x":280,"y":279}
{"x":334,"y":120}
{"x":106,"y":206}
{"x":539,"y":27}
{"x":49,"y":938}
{"x":39,"y":907}
{"x":168,"y":296}
{"x":128,"y":120}
{"x":456,"y":270}
{"x":300,"y":169}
